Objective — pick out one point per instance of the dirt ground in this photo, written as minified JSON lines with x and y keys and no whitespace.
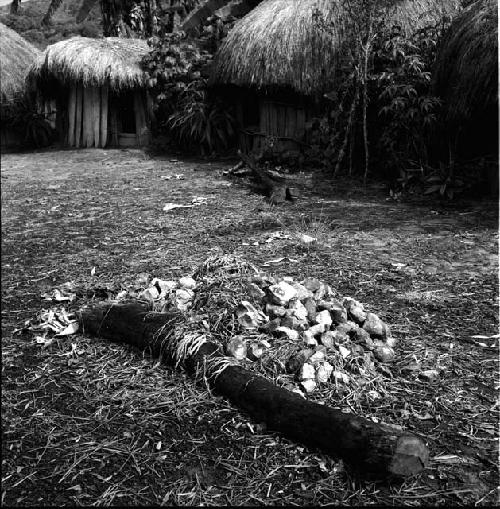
{"x":89,"y":422}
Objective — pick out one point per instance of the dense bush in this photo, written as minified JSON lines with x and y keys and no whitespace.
{"x":185,"y":108}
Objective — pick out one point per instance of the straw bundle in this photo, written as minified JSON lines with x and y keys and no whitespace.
{"x":93,"y":62}
{"x":16,"y":57}
{"x":278,"y":44}
{"x":466,"y":72}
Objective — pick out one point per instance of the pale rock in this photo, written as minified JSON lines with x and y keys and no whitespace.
{"x":317,"y":356}
{"x":355,"y":310}
{"x":309,"y":339}
{"x":340,"y":377}
{"x":302,"y":292}
{"x":150,"y":294}
{"x":373,"y":325}
{"x":298,"y":309}
{"x":187,"y":283}
{"x":308,"y":385}
{"x":328,"y":339}
{"x":255,"y":351}
{"x":275,"y":311}
{"x":321,"y":292}
{"x":312,"y":284}
{"x":307,"y":371}
{"x":324,"y":371}
{"x":345,"y":352}
{"x":291,"y":334}
{"x":164,"y":286}
{"x":237,"y":348}
{"x":249,"y":316}
{"x":391,"y":341}
{"x":310,"y":305}
{"x":183,"y":298}
{"x":317,"y":329}
{"x":374,"y":395}
{"x":384,"y":353}
{"x":364,"y":339}
{"x":288,"y":279}
{"x":323,"y":318}
{"x":431,"y":375}
{"x":255,"y":292}
{"x":282,"y":293}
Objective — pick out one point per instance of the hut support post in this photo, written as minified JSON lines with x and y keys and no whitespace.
{"x":78,"y":115}
{"x":103,"y":137}
{"x":88,"y":121}
{"x":70,"y":140}
{"x":369,"y":446}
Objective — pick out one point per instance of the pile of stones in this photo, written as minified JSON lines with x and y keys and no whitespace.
{"x":326,"y":333}
{"x":323,"y":328}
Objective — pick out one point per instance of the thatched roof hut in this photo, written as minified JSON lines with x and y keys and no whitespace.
{"x":16,"y":57}
{"x":278,"y":44}
{"x":280,"y":52}
{"x":100,"y":87}
{"x":466,"y":73}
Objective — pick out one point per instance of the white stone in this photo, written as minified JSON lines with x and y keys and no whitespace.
{"x":323,"y":317}
{"x":345,"y":352}
{"x":309,"y":338}
{"x":307,"y":371}
{"x":324,"y":372}
{"x":298,"y":310}
{"x":308,"y":385}
{"x":317,"y":356}
{"x":187,"y":282}
{"x":237,"y":348}
{"x":282,"y":293}
{"x":291,"y":334}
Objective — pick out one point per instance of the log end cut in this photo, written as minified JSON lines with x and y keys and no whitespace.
{"x":410,"y":457}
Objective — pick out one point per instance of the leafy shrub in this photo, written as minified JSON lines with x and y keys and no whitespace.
{"x":22,"y":118}
{"x":184,"y":107}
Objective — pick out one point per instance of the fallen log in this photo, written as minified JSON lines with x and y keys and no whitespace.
{"x":373,"y":448}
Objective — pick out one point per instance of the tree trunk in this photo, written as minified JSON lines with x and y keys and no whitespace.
{"x":369,"y":447}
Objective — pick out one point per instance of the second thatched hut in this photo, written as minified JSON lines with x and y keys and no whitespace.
{"x":277,"y":62}
{"x":100,"y":90}
{"x":466,"y":79}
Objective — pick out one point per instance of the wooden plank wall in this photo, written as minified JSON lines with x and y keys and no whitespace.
{"x":87,"y":116}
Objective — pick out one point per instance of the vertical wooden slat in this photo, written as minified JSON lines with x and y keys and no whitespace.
{"x":273,"y":128}
{"x":78,"y":115}
{"x":88,"y":121}
{"x":262,"y":117}
{"x":140,"y":117}
{"x":70,"y":140}
{"x":96,"y":118}
{"x":104,"y":116}
{"x":301,"y":123}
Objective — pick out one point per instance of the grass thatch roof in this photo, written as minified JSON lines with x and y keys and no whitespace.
{"x":94,"y":62}
{"x":466,"y":71}
{"x":279,"y":45}
{"x":16,"y":57}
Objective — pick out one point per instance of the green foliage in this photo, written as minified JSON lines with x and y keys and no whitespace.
{"x":184,"y":107}
{"x":401,"y":79}
{"x":21,"y":117}
{"x":382,"y":108}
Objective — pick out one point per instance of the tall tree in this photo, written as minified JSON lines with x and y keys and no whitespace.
{"x":53,"y":6}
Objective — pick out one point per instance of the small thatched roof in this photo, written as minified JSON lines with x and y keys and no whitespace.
{"x":466,"y":71}
{"x":279,"y":45}
{"x":16,"y":57}
{"x":93,"y":62}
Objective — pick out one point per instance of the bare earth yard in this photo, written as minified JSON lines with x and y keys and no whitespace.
{"x":86,"y":421}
